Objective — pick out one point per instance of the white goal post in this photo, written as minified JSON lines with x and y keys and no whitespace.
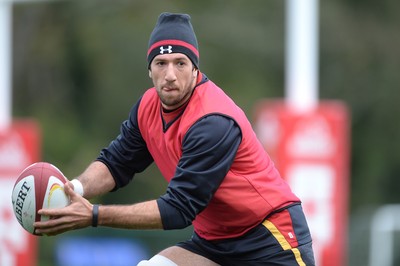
{"x":6,"y":60}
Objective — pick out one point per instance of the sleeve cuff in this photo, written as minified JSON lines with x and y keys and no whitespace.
{"x":170,"y":216}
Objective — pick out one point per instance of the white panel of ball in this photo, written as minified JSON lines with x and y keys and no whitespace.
{"x":55,"y":196}
{"x":23,"y":198}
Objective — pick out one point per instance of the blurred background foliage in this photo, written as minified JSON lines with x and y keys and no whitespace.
{"x":79,"y":66}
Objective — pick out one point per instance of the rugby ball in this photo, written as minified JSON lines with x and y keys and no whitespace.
{"x":39,"y":186}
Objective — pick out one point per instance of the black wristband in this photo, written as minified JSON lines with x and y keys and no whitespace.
{"x":95,"y":215}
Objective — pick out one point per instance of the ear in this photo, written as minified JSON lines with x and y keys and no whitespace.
{"x":195,"y":72}
{"x":150,"y":76}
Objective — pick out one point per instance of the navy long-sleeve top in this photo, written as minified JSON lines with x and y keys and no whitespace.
{"x":197,"y":175}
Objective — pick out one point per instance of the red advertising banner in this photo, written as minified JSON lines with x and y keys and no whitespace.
{"x":19,"y":147}
{"x":311,"y":150}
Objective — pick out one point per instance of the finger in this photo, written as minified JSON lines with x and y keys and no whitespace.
{"x":68,"y":186}
{"x":37,"y":234}
{"x":54,"y":227}
{"x":49,"y":221}
{"x":51,"y":212}
{"x":51,"y":231}
{"x":53,"y":223}
{"x":69,"y":191}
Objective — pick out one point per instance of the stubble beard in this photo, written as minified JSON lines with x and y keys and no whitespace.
{"x":172,"y":100}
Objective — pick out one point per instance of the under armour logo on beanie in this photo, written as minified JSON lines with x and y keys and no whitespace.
{"x":173,"y":33}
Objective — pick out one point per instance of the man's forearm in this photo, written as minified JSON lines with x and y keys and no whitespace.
{"x":96,"y":180}
{"x":145,"y":215}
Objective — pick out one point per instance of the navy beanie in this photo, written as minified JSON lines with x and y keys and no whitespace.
{"x":173,"y":33}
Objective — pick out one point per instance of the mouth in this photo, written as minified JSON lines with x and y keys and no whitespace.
{"x":167,"y":89}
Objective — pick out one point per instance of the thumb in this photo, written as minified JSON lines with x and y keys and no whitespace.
{"x":69,"y":191}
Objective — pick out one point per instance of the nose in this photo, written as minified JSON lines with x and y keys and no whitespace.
{"x":170,"y":73}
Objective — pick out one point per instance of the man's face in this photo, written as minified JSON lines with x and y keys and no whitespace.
{"x":174,"y":78}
